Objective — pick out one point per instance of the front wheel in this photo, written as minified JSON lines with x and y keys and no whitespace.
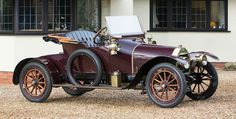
{"x":166,"y":85}
{"x":203,"y":83}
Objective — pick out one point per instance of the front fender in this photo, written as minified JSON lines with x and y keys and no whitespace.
{"x":146,"y":67}
{"x":194,"y":55}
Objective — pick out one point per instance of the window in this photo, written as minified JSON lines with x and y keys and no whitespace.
{"x":30,"y":15}
{"x":43,"y":16}
{"x":217,"y":15}
{"x":160,"y":14}
{"x":188,"y":15}
{"x":59,"y":15}
{"x":87,"y":16}
{"x":179,"y":14}
{"x":6,"y":15}
{"x":48,"y":16}
{"x":198,"y":14}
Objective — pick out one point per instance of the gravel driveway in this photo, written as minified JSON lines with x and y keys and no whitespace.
{"x":118,"y":104}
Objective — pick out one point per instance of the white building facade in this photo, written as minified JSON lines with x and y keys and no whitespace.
{"x":206,"y":25}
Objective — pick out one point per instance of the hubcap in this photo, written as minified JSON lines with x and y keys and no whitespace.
{"x":34,"y":82}
{"x":163,"y":85}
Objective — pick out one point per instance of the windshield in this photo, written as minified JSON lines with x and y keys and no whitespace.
{"x":119,"y":26}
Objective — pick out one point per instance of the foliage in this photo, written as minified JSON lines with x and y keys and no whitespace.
{"x":87,"y":14}
{"x":230,"y":66}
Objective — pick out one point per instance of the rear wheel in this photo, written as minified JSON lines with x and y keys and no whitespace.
{"x":204,"y":82}
{"x":73,"y":91}
{"x":166,"y":85}
{"x":35,"y":82}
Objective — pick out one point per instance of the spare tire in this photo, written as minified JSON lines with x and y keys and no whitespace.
{"x":70,"y":71}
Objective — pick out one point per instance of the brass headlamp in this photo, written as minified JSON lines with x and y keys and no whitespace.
{"x":114,"y":47}
{"x":202,"y":58}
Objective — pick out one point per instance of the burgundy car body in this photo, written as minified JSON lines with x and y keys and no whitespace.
{"x":132,"y":56}
{"x":119,"y":62}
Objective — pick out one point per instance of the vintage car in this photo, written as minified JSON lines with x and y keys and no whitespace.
{"x":117,"y":57}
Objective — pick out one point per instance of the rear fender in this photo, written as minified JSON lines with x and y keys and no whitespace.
{"x":53,"y":71}
{"x":55,"y":74}
{"x":18,"y":69}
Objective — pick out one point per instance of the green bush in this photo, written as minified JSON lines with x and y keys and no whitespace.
{"x":230,"y":66}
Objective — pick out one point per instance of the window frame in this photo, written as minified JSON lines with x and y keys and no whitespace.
{"x":44,"y":20}
{"x":16,"y":20}
{"x":13,"y":22}
{"x":189,"y":19}
{"x":17,"y":31}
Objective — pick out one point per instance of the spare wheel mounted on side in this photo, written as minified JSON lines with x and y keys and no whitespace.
{"x":74,"y":70}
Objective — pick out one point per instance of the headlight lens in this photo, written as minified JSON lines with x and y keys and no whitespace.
{"x":202,"y":58}
{"x":204,"y":63}
{"x":186,"y":66}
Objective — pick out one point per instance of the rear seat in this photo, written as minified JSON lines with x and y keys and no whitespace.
{"x":83,"y":36}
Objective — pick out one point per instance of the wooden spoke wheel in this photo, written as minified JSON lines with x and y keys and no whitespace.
{"x":203,"y":83}
{"x":166,"y":85}
{"x":35,"y":82}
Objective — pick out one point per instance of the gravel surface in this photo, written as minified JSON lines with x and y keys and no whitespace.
{"x":118,"y":104}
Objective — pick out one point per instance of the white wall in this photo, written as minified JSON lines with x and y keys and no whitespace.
{"x":16,"y":48}
{"x":106,"y":10}
{"x":141,"y":9}
{"x":221,"y":44}
{"x":121,"y":7}
{"x":7,"y":58}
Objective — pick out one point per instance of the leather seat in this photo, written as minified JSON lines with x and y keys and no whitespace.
{"x":83,"y":36}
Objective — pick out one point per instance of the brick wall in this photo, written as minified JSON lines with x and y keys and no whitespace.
{"x":219,"y":65}
{"x":6,"y":77}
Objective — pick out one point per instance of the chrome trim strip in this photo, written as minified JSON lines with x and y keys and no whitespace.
{"x":132,"y":58}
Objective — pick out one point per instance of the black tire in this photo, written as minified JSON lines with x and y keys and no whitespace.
{"x":35,"y":82}
{"x":206,"y":76}
{"x":93,"y":57}
{"x":174,"y":83}
{"x":73,"y":91}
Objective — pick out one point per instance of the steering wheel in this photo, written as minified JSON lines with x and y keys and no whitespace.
{"x":102,"y":34}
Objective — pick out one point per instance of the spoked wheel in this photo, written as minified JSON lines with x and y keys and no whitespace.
{"x":35,"y":82}
{"x":203,"y":83}
{"x":84,"y":68}
{"x":166,"y":85}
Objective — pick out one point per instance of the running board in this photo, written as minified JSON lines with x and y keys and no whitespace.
{"x":89,"y":87}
